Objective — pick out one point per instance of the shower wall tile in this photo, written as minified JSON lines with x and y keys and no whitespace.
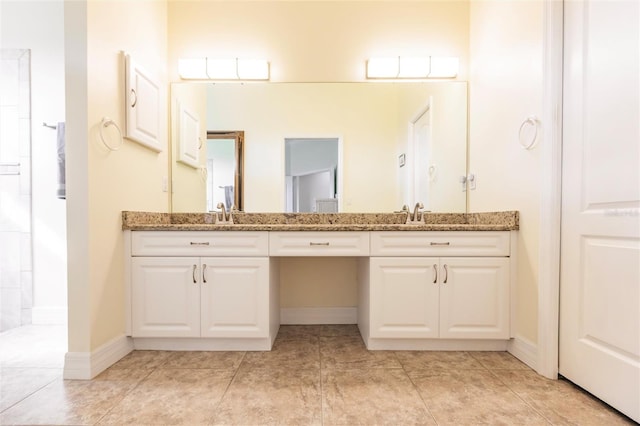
{"x":9,"y":69}
{"x":24,"y":60}
{"x":25,"y":176}
{"x":9,"y":134}
{"x":16,"y":277}
{"x":10,"y":308}
{"x":26,"y":286}
{"x":10,"y":260}
{"x":24,"y":131}
{"x":26,"y":317}
{"x":26,"y":263}
{"x":23,"y":206}
{"x":15,"y":210}
{"x":24,"y":89}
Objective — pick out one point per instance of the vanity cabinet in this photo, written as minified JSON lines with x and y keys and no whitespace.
{"x":205,"y":285}
{"x":200,"y":297}
{"x":437,"y":285}
{"x":449,"y":297}
{"x":219,"y":290}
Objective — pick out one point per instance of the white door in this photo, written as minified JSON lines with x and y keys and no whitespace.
{"x":235,"y":297}
{"x":404,"y":297}
{"x":165,"y":297}
{"x":474,"y":298}
{"x":600,"y":257}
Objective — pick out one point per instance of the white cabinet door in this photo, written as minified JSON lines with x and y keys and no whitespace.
{"x":235,"y":297}
{"x":474,"y":298}
{"x":428,"y":297}
{"x":165,"y":297}
{"x":404,"y":297}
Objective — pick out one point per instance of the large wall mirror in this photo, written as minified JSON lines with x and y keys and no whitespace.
{"x":397,"y":143}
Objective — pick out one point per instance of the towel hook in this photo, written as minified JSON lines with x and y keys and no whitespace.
{"x":106,"y":122}
{"x":531,"y":121}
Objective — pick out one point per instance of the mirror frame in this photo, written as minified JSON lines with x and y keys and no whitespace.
{"x":238,"y":136}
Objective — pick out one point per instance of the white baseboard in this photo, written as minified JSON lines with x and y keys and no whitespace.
{"x":48,"y":315}
{"x":202,"y":344}
{"x":296,"y":316}
{"x":87,"y":365}
{"x":378,"y":344}
{"x":525,"y":350}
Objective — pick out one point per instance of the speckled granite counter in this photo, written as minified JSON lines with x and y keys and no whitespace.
{"x":487,"y":221}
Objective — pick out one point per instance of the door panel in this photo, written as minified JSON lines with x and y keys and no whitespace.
{"x":474,"y":298}
{"x":165,"y":297}
{"x":600,"y":255}
{"x":404,"y":297}
{"x":235,"y":297}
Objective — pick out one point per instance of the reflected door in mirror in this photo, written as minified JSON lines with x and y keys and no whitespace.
{"x":224,"y":168}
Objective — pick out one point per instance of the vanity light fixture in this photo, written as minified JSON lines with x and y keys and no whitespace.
{"x":412,"y":67}
{"x":223,"y":69}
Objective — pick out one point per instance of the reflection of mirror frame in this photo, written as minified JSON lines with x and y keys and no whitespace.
{"x":238,"y":136}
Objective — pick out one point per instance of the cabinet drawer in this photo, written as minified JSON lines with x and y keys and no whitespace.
{"x":460,"y":243}
{"x":193,"y":243}
{"x":319,"y":244}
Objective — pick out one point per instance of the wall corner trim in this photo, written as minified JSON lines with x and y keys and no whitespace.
{"x":87,"y":365}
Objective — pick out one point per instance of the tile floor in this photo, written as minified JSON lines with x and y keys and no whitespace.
{"x":315,"y":375}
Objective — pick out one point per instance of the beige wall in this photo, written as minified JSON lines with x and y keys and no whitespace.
{"x":506,"y":55}
{"x":102,"y":183}
{"x":317,"y":40}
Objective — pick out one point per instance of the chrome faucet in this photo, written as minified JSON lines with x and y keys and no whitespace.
{"x":225,"y":216}
{"x":417,"y":214}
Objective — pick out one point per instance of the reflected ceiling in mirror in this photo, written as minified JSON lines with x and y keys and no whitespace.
{"x":388,"y":153}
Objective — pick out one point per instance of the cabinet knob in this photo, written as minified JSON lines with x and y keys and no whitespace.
{"x":446,"y":274}
{"x":318,"y":244}
{"x":435,"y":273}
{"x":206,"y":243}
{"x":435,"y":243}
{"x":193,"y":274}
{"x":204,"y":277}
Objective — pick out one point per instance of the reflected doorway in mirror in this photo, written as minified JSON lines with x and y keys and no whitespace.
{"x":224,"y":169}
{"x":312,"y":173}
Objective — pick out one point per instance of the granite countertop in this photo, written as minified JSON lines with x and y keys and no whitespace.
{"x":486,"y":221}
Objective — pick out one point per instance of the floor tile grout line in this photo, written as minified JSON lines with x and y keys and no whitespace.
{"x":150,"y":371}
{"x":226,"y":389}
{"x":31,"y":393}
{"x":320,"y":373}
{"x":493,"y":373}
{"x":426,"y":406}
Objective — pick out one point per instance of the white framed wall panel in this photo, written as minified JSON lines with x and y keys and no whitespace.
{"x":188,"y":131}
{"x":142,"y":106}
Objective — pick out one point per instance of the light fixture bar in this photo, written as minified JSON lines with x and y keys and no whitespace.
{"x":223,"y":69}
{"x":409,"y":67}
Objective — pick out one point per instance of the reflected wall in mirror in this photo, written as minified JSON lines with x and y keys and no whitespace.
{"x":376,"y":124}
{"x":311,"y":175}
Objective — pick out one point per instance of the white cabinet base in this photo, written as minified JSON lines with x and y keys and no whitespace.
{"x":204,"y":344}
{"x":374,"y":344}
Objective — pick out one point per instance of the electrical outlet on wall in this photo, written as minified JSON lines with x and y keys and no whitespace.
{"x":463,"y":182}
{"x":471,"y":179}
